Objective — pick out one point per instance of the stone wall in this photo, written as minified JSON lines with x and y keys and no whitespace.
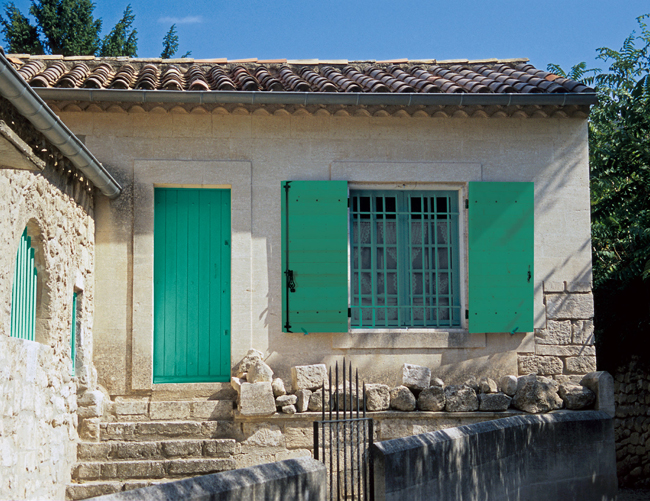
{"x":632,"y":424}
{"x":39,"y":395}
{"x":564,"y":349}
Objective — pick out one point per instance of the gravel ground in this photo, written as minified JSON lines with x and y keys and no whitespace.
{"x":633,"y":495}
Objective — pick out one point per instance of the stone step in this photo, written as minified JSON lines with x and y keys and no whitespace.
{"x":148,"y":431}
{"x":164,"y":449}
{"x":142,"y":410}
{"x":145,"y":469}
{"x":98,"y":488}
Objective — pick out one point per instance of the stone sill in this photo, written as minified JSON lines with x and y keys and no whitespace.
{"x":377,"y":339}
{"x":280,"y":418}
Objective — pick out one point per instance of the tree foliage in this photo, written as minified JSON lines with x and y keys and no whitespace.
{"x":20,"y":36}
{"x":170,"y":44}
{"x":619,"y":143}
{"x":122,"y":40}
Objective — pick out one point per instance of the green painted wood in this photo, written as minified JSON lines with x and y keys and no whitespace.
{"x":315,"y":247}
{"x":23,"y":292}
{"x":73,"y":334}
{"x":191,"y":285}
{"x":501,"y":257}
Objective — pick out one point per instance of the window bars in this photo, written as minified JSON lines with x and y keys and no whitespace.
{"x":343,"y":440}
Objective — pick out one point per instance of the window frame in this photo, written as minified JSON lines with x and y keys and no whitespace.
{"x":457,"y":270}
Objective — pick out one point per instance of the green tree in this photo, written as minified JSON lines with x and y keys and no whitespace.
{"x":21,"y":37}
{"x":170,"y":44}
{"x":619,"y":158}
{"x":122,"y":40}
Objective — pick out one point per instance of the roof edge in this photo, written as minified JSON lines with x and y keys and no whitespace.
{"x":14,"y":88}
{"x":311,"y":98}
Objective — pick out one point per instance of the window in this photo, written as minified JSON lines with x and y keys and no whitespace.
{"x":404,"y":259}
{"x":23,"y":292}
{"x":73,"y":333}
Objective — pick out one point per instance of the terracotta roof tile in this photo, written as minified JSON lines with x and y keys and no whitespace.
{"x":486,"y":76}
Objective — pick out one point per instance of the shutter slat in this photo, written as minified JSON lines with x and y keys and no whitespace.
{"x":23,"y":293}
{"x":315,"y":213}
{"x":501,"y":256}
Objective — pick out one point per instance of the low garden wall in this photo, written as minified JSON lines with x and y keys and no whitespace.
{"x":562,"y":455}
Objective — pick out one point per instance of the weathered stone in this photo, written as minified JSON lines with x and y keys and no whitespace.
{"x":556,"y":332}
{"x":576,"y":397}
{"x":91,"y":405}
{"x":416,"y":377}
{"x":402,"y":399}
{"x":377,"y":397}
{"x":580,"y":365}
{"x":436,"y":381}
{"x":536,"y":394}
{"x":583,"y":332}
{"x":236,"y":383}
{"x":131,"y":407}
{"x":308,"y":377}
{"x":316,"y":401}
{"x":564,"y":350}
{"x":346,"y":399}
{"x":303,"y":400}
{"x":182,"y":448}
{"x":219,"y":448}
{"x":251,"y":357}
{"x":169,"y":410}
{"x":487,"y":385}
{"x":432,"y":399}
{"x":256,"y":399}
{"x":460,"y":399}
{"x":259,"y":372}
{"x":263,"y":435}
{"x":569,"y":306}
{"x":540,"y":365}
{"x":289,"y":409}
{"x":278,"y":387}
{"x":211,"y":409}
{"x":508,"y":385}
{"x":472,"y":382}
{"x":283,"y":400}
{"x":602,"y":384}
{"x":493,"y":402}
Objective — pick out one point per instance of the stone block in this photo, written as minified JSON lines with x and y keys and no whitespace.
{"x":564,"y":351}
{"x":278,"y":387}
{"x":87,"y":471}
{"x":289,"y":409}
{"x":293,"y":454}
{"x":583,"y":332}
{"x":402,"y":399}
{"x":508,"y":385}
{"x":283,"y":400}
{"x":89,"y":429}
{"x":263,"y":435}
{"x":236,"y":383}
{"x":182,"y":448}
{"x":553,"y":286}
{"x":432,"y":399}
{"x":556,"y":332}
{"x":436,"y":381}
{"x":256,"y":399}
{"x":602,"y":384}
{"x":299,"y":436}
{"x":578,"y":287}
{"x":580,"y":365}
{"x":540,"y":365}
{"x":377,"y":397}
{"x":93,"y":451}
{"x":137,"y":450}
{"x":316,"y":401}
{"x":302,"y":405}
{"x":308,"y":377}
{"x":85,"y":491}
{"x":259,"y":372}
{"x":219,"y":447}
{"x":493,"y":402}
{"x":416,"y":377}
{"x":131,"y":407}
{"x":91,"y":411}
{"x":576,"y":397}
{"x":569,"y":306}
{"x":212,"y":409}
{"x":251,"y":357}
{"x":536,"y":394}
{"x":460,"y":399}
{"x":487,"y":385}
{"x":169,"y":410}
{"x":200,"y":466}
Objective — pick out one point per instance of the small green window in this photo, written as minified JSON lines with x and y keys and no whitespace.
{"x":404,"y":259}
{"x":23,"y":292}
{"x":73,"y":333}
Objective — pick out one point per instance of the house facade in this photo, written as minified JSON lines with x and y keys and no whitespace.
{"x":434,"y":213}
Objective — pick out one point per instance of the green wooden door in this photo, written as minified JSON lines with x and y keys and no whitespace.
{"x":501,"y":257}
{"x":191,"y":285}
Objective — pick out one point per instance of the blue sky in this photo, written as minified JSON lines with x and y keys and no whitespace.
{"x":564,"y":32}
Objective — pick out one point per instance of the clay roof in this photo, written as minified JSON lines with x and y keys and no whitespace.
{"x":514,"y":76}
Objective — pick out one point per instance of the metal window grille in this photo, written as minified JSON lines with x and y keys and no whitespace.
{"x":404,"y":259}
{"x":23,"y":292}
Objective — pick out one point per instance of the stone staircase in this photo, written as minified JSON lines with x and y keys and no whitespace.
{"x":149,"y":442}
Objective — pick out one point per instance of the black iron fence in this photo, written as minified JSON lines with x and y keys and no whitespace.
{"x":343,"y":437}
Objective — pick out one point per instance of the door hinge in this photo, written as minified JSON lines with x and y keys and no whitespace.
{"x":349,"y":312}
{"x":467,"y":203}
{"x":466,"y":314}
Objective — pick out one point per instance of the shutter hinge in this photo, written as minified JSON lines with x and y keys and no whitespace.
{"x":348,"y":203}
{"x":467,"y":203}
{"x":466,"y":314}
{"x":349,"y":312}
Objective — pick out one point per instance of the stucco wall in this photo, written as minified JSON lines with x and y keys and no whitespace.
{"x":39,"y":396}
{"x":253,"y":153}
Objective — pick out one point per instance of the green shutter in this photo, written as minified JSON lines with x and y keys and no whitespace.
{"x":23,"y":292}
{"x":191,"y":285}
{"x":501,"y":242}
{"x":315,"y":256}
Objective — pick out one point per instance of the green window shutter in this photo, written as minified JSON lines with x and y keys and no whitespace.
{"x":501,"y":258}
{"x":73,"y":333}
{"x":23,"y":292}
{"x":315,"y":256}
